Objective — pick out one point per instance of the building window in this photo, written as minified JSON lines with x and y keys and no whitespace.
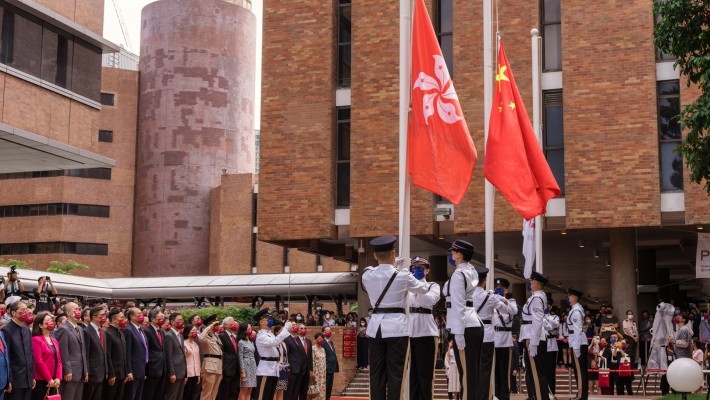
{"x":98,"y":249}
{"x":342,"y":161}
{"x":551,"y":35}
{"x":668,"y":93}
{"x":42,"y":50}
{"x":445,"y":31}
{"x":344,"y":43}
{"x":105,"y":136}
{"x":33,"y":210}
{"x":553,"y":132}
{"x":92,"y":173}
{"x":108,"y":99}
{"x":661,"y":56}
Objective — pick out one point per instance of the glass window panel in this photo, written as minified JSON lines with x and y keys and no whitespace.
{"x":446,"y":13}
{"x":53,"y":209}
{"x":344,"y":61}
{"x":343,"y":192}
{"x":553,"y":47}
{"x":668,"y":88}
{"x":447,"y":49}
{"x":671,"y":168}
{"x":343,"y":114}
{"x":554,"y":134}
{"x":86,"y":75}
{"x":22,"y":42}
{"x":668,"y":123}
{"x":344,"y":25}
{"x":556,"y":160}
{"x":104,"y":211}
{"x":343,"y":141}
{"x":552,"y":11}
{"x":57,"y":53}
{"x":102,"y":249}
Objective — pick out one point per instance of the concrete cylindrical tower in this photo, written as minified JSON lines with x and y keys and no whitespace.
{"x":196,"y":122}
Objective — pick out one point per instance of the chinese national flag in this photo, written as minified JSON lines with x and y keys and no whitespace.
{"x":514,"y":162}
{"x":441,"y":154}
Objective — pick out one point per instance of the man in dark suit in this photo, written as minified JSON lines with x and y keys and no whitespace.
{"x":19,"y":346}
{"x":95,"y":346}
{"x":85,"y":318}
{"x":175,"y":356}
{"x":136,"y":355}
{"x":115,"y":356}
{"x":71,"y":347}
{"x":300,"y":358}
{"x":4,"y":366}
{"x":331,"y":362}
{"x":229,"y":386}
{"x":154,"y":386}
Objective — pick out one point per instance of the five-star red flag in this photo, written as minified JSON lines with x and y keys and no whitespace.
{"x":440,"y":153}
{"x":514,"y":162}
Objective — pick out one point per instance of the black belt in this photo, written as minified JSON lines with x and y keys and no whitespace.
{"x":504,"y":329}
{"x":486,"y":321}
{"x":468,"y":304}
{"x":525,"y":322}
{"x":269,"y":359}
{"x":391,"y":310}
{"x":551,"y":337}
{"x":420,"y":310}
{"x":570,"y":331}
{"x":212,"y":356}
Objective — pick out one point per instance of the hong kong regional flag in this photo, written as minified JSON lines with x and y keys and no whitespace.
{"x":441,"y":154}
{"x":514,"y":162}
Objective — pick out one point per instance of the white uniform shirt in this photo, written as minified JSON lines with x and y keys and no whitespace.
{"x":551,"y":325}
{"x":485,"y":310}
{"x":423,"y":325}
{"x":458,"y":290}
{"x":268,"y":346}
{"x":575,"y":320}
{"x":505,"y":320}
{"x":533,"y":313}
{"x":374,"y":280}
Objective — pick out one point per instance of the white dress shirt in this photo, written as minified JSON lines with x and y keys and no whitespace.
{"x":493,"y":302}
{"x":423,"y":325}
{"x":504,"y":338}
{"x":550,"y":326}
{"x":458,"y":290}
{"x":533,"y":313}
{"x":268,"y":346}
{"x":575,"y":320}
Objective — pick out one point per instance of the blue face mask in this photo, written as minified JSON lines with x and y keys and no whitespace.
{"x":613,"y":340}
{"x":499,"y":292}
{"x":451,"y":260}
{"x":528,"y":286}
{"x":270,"y":322}
{"x":547,"y":310}
{"x":418,"y":273}
{"x":567,"y":302}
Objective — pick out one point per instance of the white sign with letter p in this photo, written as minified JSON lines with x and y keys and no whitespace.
{"x":702,"y":260}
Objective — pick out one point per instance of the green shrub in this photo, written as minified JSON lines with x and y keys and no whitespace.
{"x":241,"y":314}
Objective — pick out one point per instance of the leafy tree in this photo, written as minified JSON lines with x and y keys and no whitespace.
{"x":65,"y":268}
{"x":683,"y":31}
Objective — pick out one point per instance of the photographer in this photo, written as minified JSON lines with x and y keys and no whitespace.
{"x":13,"y":287}
{"x":44,"y":294}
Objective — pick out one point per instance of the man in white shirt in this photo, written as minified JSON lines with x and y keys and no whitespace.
{"x":503,"y":326}
{"x":425,"y":334}
{"x":578,"y":343}
{"x":531,"y":332}
{"x":267,"y":345}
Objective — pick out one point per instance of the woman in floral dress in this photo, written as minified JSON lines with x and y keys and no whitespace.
{"x":319,"y":365}
{"x":246,"y":362}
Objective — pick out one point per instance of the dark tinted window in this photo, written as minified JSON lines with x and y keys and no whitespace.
{"x":669,"y":135}
{"x":553,"y":135}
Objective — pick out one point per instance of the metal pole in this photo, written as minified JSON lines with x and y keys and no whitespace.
{"x":488,"y":67}
{"x":535,"y":39}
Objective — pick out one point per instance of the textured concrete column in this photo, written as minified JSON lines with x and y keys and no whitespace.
{"x":623,"y":271}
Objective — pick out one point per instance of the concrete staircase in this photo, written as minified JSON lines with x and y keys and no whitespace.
{"x":565,"y":385}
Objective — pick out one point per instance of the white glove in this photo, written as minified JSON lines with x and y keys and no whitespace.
{"x":460,"y":341}
{"x":532,"y":350}
{"x":287,"y":326}
{"x":402,"y":263}
{"x":577,"y":352}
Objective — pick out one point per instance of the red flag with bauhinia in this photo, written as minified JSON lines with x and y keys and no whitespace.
{"x":441,"y":154}
{"x":514,"y":162}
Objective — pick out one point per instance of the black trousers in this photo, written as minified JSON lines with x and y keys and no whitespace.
{"x":153,"y":388}
{"x":297,"y":387}
{"x":484,"y":378}
{"x":20,"y":394}
{"x":362,"y":352}
{"x":40,"y":390}
{"x":266,"y":386}
{"x":72,"y":390}
{"x":114,"y":392}
{"x":467,"y":362}
{"x":535,"y":380}
{"x":329,"y":377}
{"x":421,"y":367}
{"x":580,"y":371}
{"x":192,"y":389}
{"x":228,"y":388}
{"x":93,"y":390}
{"x":133,"y":389}
{"x":388,"y":357}
{"x":502,"y":374}
{"x":551,"y":369}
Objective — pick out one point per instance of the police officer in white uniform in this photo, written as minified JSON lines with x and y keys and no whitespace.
{"x":267,"y":345}
{"x":578,"y":343}
{"x":550,"y":326}
{"x":531,"y":332}
{"x":425,"y":334}
{"x":487,"y":303}
{"x":461,"y":318}
{"x":389,"y":328}
{"x":503,"y":326}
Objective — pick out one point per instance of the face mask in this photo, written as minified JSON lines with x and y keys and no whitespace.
{"x":49,"y":326}
{"x":418,"y":273}
{"x":528,"y":286}
{"x":646,"y":317}
{"x":602,"y":344}
{"x":603,"y":311}
{"x":677,"y":311}
{"x":499,"y":292}
{"x":328,"y":333}
{"x":451,"y":260}
{"x":77,"y":314}
{"x":567,"y":302}
{"x":320,"y":341}
{"x":249,"y":330}
{"x":30,"y":319}
{"x":294,"y":329}
{"x":587,"y":320}
{"x":160,"y":321}
{"x":2,"y":312}
{"x":624,"y":346}
{"x":362,"y":323}
{"x":691,"y":317}
{"x":302,"y":332}
{"x":141,"y":319}
{"x":252,"y":336}
{"x":123,"y":324}
{"x":198,"y":322}
{"x":299,"y":318}
{"x":22,"y":316}
{"x":547,"y":310}
{"x":193,"y":334}
{"x":234,"y":327}
{"x":369,"y":313}
{"x":270,"y":322}
{"x":613,"y":340}
{"x":630,"y":317}
{"x":677,"y":320}
{"x":327,"y":316}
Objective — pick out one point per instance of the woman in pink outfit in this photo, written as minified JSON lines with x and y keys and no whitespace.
{"x":48,"y":362}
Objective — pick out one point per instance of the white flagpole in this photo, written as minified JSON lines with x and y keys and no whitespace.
{"x":488,"y":66}
{"x":536,"y":94}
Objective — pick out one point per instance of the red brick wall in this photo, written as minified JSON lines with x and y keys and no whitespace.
{"x":696,"y":197}
{"x":87,"y":13}
{"x":296,"y":191}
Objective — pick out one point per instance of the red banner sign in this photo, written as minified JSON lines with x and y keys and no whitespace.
{"x":349,"y":343}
